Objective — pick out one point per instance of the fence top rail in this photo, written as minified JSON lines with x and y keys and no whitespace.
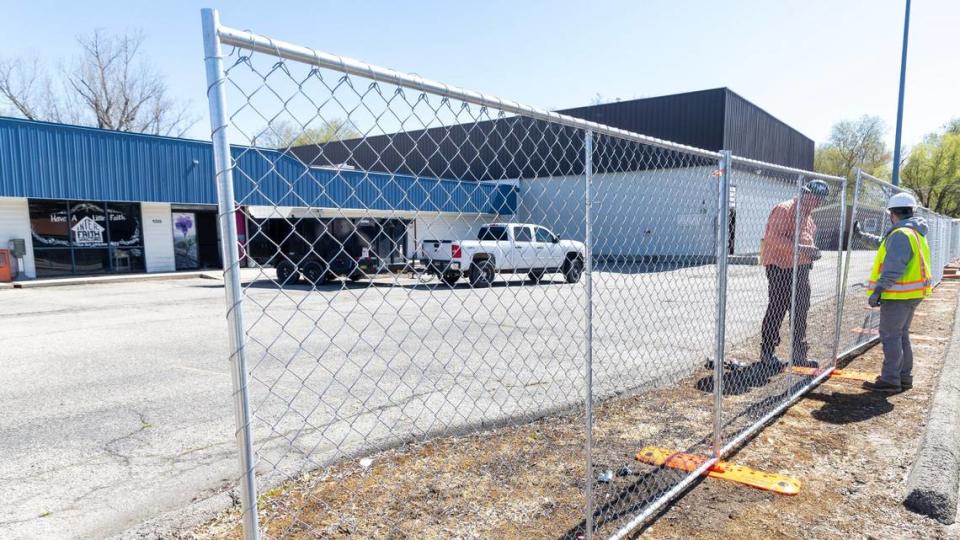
{"x":263,"y":44}
{"x":259,"y":43}
{"x":869,"y":176}
{"x":784,"y":169}
{"x":889,"y":185}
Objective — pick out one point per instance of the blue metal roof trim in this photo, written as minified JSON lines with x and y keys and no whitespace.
{"x":54,"y":161}
{"x":264,"y":177}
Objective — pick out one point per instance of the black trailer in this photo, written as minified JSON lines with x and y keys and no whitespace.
{"x":321,"y":249}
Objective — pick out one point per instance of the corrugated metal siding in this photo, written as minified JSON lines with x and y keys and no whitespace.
{"x":54,"y":161}
{"x":263,"y":177}
{"x":514,"y":147}
{"x":754,"y":133}
{"x":504,"y":148}
{"x":691,"y":118}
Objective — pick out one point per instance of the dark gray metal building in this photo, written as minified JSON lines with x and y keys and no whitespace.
{"x":512,"y":147}
{"x":716,"y":119}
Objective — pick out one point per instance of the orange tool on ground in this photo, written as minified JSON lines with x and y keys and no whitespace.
{"x":846,"y":374}
{"x":723,"y":470}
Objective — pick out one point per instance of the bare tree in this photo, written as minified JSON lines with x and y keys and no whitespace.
{"x":120,"y":89}
{"x":25,"y":86}
{"x":110,"y":84}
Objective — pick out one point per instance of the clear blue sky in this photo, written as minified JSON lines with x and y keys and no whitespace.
{"x":808,"y":62}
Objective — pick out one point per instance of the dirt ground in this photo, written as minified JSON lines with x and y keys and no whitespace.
{"x":852,"y":451}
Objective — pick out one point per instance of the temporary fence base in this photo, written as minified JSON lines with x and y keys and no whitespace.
{"x":721,"y":470}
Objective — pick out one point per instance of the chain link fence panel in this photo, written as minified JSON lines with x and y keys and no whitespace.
{"x":867,"y":225}
{"x":654,"y":224}
{"x":409,"y":278}
{"x":782,"y":300}
{"x":422,"y":260}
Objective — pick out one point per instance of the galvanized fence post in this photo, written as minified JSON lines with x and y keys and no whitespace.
{"x":795,"y":278}
{"x":588,"y":306}
{"x":231,"y":264}
{"x":841,"y":277}
{"x":723,"y":235}
{"x":846,"y":256}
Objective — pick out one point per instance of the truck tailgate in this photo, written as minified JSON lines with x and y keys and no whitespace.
{"x":437,"y":250}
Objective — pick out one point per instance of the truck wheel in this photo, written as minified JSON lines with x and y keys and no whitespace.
{"x":572,"y":270}
{"x":481,"y":273}
{"x":287,"y":274}
{"x":315,"y":273}
{"x":451,"y":278}
{"x":536,"y":275}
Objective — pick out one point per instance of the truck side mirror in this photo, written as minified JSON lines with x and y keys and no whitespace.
{"x":555,"y":239}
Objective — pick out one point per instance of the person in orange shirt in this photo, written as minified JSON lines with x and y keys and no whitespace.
{"x":777,"y":257}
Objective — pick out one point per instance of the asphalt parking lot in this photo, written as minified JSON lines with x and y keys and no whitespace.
{"x":117,"y":398}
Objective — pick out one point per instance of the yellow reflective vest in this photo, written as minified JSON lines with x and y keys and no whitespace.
{"x":915,"y":281}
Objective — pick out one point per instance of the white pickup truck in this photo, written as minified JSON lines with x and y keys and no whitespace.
{"x":506,"y":248}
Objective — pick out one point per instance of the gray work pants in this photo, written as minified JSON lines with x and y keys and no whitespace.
{"x":895,"y":318}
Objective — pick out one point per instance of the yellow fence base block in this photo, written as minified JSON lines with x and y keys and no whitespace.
{"x":723,"y":470}
{"x":844,"y":374}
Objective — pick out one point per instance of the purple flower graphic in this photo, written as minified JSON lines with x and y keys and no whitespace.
{"x":183,"y":224}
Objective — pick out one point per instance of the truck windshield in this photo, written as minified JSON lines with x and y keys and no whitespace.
{"x":492,"y":233}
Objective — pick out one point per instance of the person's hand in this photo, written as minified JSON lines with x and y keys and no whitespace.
{"x":874,"y":299}
{"x":810,"y":251}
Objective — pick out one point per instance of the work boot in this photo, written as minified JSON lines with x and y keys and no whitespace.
{"x":906,"y":384}
{"x":770,"y":364}
{"x":882,"y":386}
{"x":806,"y":363}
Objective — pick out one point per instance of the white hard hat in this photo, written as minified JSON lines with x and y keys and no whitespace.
{"x":902,"y":200}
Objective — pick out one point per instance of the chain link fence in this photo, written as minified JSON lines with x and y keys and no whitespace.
{"x":424,"y":260}
{"x":781,"y":312}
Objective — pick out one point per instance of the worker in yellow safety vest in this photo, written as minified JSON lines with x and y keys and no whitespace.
{"x":899,"y":281}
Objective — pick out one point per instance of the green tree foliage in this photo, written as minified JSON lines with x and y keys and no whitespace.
{"x":932,"y":170}
{"x":855,"y":144}
{"x":284,"y":134}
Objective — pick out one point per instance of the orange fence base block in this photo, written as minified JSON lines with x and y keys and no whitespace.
{"x":845,"y":374}
{"x":776,"y":483}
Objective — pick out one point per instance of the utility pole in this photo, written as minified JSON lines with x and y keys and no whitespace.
{"x":903,"y":78}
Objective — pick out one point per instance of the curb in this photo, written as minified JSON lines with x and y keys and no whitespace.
{"x":934,"y":481}
{"x":104,"y":280}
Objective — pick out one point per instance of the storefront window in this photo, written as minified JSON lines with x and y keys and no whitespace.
{"x":91,"y":261}
{"x":88,"y":224}
{"x":126,"y":240}
{"x":124,"y":224}
{"x":127,"y":260}
{"x":86,"y":237}
{"x":53,"y":262}
{"x":50,"y":224}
